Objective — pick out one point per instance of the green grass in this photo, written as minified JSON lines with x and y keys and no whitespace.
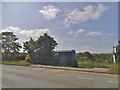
{"x":112,"y":68}
{"x":19,"y":63}
{"x":88,"y":64}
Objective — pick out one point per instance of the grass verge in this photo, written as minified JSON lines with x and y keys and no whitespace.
{"x":19,"y":63}
{"x":88,"y":64}
{"x":112,"y":68}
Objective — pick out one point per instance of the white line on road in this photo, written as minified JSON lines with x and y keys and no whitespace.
{"x":113,"y":81}
{"x":85,"y":78}
{"x":61,"y":75}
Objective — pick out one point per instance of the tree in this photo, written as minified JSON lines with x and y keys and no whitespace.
{"x":28,"y":45}
{"x":85,"y":56}
{"x":9,"y":44}
{"x":41,"y":50}
{"x":97,"y":57}
{"x":88,"y":55}
{"x":15,"y":46}
{"x":103,"y":57}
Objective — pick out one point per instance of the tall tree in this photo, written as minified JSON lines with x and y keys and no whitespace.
{"x":9,"y":43}
{"x":41,"y":50}
{"x":28,"y":45}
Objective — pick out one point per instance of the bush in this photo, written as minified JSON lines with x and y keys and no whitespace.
{"x":14,"y":56}
{"x":20,"y":56}
{"x":27,"y":58}
{"x":98,"y":57}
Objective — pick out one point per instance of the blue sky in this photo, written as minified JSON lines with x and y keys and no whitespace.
{"x":83,"y":26}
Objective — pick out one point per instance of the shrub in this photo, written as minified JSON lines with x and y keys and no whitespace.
{"x":27,"y":58}
{"x":14,"y":56}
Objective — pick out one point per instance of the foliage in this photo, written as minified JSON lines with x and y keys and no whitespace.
{"x":97,"y":57}
{"x":41,"y":50}
{"x":20,"y":63}
{"x":9,"y":45}
{"x":14,"y":56}
{"x":85,"y":56}
{"x":27,"y":58}
{"x":103,"y":57}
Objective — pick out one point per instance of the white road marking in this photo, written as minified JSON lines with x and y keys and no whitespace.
{"x":73,"y":74}
{"x":113,"y":81}
{"x":103,"y":74}
{"x":85,"y":78}
{"x":61,"y":75}
{"x":61,"y":70}
{"x":54,"y":70}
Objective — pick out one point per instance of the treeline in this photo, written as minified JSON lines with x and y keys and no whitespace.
{"x":99,"y":57}
{"x":95,"y":57}
{"x":40,"y":51}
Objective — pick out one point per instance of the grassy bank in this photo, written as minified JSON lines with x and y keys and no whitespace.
{"x":19,"y":63}
{"x":88,"y":64}
{"x":112,"y":68}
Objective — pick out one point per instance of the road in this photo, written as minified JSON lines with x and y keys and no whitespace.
{"x":31,"y":77}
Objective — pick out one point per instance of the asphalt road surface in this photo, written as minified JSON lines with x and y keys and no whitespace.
{"x":31,"y":77}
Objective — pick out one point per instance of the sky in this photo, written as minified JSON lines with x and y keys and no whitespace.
{"x":82,"y":26}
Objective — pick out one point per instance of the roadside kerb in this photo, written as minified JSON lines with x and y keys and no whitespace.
{"x":96,"y":70}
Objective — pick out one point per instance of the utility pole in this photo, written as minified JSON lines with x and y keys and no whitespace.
{"x":118,"y":52}
{"x":114,"y":54}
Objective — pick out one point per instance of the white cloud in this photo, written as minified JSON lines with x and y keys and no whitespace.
{"x":76,"y":33}
{"x":70,"y":32}
{"x":87,"y":13}
{"x":111,"y":34}
{"x":94,"y":34}
{"x":88,"y":33}
{"x":24,"y":34}
{"x":49,"y":12}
